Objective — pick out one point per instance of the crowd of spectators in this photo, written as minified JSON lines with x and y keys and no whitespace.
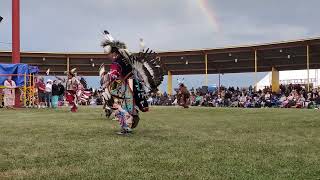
{"x":289,"y":96}
{"x":50,"y":94}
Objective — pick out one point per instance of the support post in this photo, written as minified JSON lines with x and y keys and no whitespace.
{"x":219,"y":82}
{"x":15,"y":31}
{"x":30,"y":90}
{"x":317,"y":78}
{"x":25,"y":91}
{"x":206,"y":68}
{"x":169,"y":89}
{"x":275,"y":80}
{"x":255,"y":69}
{"x":33,"y":90}
{"x":68,"y":64}
{"x":308,"y":67}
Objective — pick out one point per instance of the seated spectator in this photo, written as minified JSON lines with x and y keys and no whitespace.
{"x":219,"y":102}
{"x":290,"y":96}
{"x":291,"y":101}
{"x":192,"y":99}
{"x":198,"y":100}
{"x":248,"y":103}
{"x":150,"y":100}
{"x":317,"y":100}
{"x":283,"y":101}
{"x":300,"y":102}
{"x":242,"y":100}
{"x":267,"y":99}
{"x":234,"y":101}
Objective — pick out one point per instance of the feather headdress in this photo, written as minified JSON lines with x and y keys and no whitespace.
{"x":146,"y":67}
{"x":102,"y":70}
{"x":48,"y":72}
{"x":110,"y":45}
{"x":72,"y":71}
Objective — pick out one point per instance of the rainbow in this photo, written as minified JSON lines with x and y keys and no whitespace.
{"x":208,"y":11}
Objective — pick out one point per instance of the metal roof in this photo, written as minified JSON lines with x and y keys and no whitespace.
{"x":284,"y":55}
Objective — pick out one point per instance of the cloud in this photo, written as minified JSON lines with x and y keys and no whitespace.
{"x":74,"y":25}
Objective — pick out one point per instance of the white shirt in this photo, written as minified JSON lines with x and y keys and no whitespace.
{"x":243,"y":99}
{"x":267,"y":96}
{"x":9,"y":87}
{"x":48,"y":87}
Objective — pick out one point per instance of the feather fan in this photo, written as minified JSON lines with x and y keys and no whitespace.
{"x":147,"y":67}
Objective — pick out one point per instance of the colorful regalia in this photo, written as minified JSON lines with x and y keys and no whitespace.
{"x":130,"y":79}
{"x":83,"y":94}
{"x":183,"y":96}
{"x":72,"y":88}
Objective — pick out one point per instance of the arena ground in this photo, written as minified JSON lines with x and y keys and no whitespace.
{"x":169,"y":143}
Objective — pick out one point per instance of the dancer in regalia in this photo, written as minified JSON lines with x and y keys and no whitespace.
{"x":129,"y":81}
{"x":183,"y":96}
{"x":72,"y":87}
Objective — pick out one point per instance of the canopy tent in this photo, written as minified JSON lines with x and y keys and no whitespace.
{"x":17,"y":71}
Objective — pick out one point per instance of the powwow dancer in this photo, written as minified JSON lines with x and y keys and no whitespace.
{"x":130,"y":78}
{"x":82,"y":93}
{"x":72,"y":87}
{"x":183,"y":96}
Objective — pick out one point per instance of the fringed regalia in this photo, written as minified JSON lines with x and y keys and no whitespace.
{"x":183,"y":96}
{"x":129,"y":81}
{"x":72,"y":88}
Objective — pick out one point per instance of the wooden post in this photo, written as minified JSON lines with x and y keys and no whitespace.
{"x":169,"y":88}
{"x":68,"y":64}
{"x":206,"y":68}
{"x":30,"y":90}
{"x":25,"y":90}
{"x":33,"y":90}
{"x":275,"y":80}
{"x":219,"y":82}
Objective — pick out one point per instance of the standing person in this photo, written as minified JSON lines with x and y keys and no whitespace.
{"x":9,"y":93}
{"x":61,"y":92}
{"x":72,"y":87}
{"x":48,"y":93}
{"x":55,"y":94}
{"x":41,"y":92}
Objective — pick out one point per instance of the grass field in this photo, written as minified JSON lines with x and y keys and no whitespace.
{"x":169,"y":143}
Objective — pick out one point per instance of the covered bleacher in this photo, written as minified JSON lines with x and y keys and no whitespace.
{"x":277,"y":56}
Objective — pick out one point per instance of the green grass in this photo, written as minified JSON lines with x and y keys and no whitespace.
{"x":169,"y":143}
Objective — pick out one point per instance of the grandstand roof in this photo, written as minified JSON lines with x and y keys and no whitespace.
{"x":285,"y":55}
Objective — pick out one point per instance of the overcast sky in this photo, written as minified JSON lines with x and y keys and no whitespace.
{"x":75,"y":25}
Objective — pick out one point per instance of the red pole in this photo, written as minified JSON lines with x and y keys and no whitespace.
{"x":15,"y":31}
